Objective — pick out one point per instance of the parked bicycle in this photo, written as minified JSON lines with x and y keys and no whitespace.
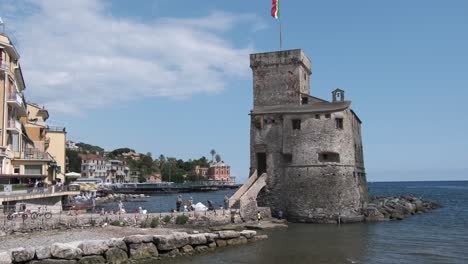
{"x":13,"y":215}
{"x":39,"y":212}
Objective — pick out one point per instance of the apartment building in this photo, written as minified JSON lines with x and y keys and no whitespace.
{"x":111,"y":171}
{"x":29,"y":150}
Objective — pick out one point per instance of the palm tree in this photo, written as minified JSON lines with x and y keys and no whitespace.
{"x":212,"y":152}
{"x":218,"y":158}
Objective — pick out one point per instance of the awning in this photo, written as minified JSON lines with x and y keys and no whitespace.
{"x":72,"y":175}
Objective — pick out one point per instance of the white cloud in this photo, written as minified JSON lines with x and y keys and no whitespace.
{"x":76,"y":56}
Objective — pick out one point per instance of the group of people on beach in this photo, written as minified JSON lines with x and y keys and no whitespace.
{"x":181,"y":207}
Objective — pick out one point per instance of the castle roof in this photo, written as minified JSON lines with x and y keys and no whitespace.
{"x":316,"y":107}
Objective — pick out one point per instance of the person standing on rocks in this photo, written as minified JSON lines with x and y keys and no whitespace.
{"x":179,"y":203}
{"x":190,"y":204}
{"x":226,"y":201}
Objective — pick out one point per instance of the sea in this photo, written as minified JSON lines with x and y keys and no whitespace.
{"x":440,"y":236}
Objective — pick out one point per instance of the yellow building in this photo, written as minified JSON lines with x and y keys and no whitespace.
{"x":29,"y":150}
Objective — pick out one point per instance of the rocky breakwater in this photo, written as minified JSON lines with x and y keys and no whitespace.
{"x":131,"y":249}
{"x":120,"y":197}
{"x":396,"y":208}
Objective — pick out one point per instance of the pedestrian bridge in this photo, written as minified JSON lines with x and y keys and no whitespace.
{"x":51,"y":196}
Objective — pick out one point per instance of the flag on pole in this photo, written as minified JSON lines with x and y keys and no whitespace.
{"x":275,"y":10}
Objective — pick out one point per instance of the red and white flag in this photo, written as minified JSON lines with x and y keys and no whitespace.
{"x":275,"y":10}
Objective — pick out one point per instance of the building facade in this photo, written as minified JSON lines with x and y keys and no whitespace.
{"x":309,"y":148}
{"x":219,"y":171}
{"x":110,"y":171}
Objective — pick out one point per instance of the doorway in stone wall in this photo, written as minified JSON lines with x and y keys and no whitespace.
{"x":261,"y":163}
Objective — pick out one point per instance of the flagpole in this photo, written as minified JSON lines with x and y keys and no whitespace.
{"x":281,"y":34}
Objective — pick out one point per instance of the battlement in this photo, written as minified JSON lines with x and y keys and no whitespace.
{"x":278,"y":58}
{"x":280,"y":77}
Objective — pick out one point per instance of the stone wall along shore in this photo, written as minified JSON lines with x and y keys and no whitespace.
{"x":63,"y":221}
{"x":396,"y":208}
{"x":131,"y":249}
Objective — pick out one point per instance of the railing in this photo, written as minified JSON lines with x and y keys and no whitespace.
{"x":4,"y":66}
{"x":35,"y":154}
{"x":55,"y":129}
{"x":39,"y":190}
{"x":4,"y":152}
{"x":12,"y":123}
{"x":16,"y":97}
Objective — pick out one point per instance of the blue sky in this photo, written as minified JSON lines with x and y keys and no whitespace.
{"x":173,"y":77}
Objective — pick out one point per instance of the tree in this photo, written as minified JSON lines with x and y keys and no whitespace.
{"x":218,"y":158}
{"x":74,"y":161}
{"x":212,"y":152}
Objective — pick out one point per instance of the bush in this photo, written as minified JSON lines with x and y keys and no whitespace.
{"x":144,"y":224}
{"x":154,"y":222}
{"x":167,"y":219}
{"x":182,"y":219}
{"x":115,"y":223}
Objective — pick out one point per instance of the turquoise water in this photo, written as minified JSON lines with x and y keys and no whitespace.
{"x":440,"y":236}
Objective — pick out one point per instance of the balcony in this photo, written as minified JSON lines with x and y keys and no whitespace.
{"x":33,"y":154}
{"x":4,"y":151}
{"x":16,"y":100}
{"x":55,"y":129}
{"x":4,"y":66}
{"x":14,"y":126}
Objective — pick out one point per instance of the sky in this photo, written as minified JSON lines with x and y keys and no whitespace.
{"x":172,"y":77}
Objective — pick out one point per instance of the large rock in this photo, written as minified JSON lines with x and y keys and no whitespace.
{"x":137,"y":239}
{"x":93,"y":247}
{"x":53,"y":261}
{"x":92,"y":260}
{"x":248,"y":233}
{"x":187,"y":249}
{"x":201,"y":249}
{"x":143,"y":250}
{"x":64,"y":251}
{"x":221,"y":242}
{"x":22,"y":254}
{"x":116,"y":256}
{"x":198,"y":239}
{"x":169,"y":242}
{"x":228,"y":234}
{"x":117,"y":243}
{"x":43,"y":252}
{"x":210,"y":237}
{"x":5,"y":258}
{"x":259,"y":237}
{"x":236,"y":241}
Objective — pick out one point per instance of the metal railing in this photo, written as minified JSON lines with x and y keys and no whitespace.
{"x":16,"y":97}
{"x":12,"y":123}
{"x":38,"y":190}
{"x":4,"y":66}
{"x":55,"y":129}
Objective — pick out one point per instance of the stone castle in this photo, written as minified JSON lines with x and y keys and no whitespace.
{"x":306,"y":151}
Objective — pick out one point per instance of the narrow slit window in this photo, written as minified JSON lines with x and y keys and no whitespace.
{"x":296,"y":124}
{"x":339,"y":123}
{"x":305,"y":100}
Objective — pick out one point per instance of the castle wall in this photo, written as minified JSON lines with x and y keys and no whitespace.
{"x":313,"y":151}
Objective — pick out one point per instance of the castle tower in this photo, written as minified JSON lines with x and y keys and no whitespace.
{"x":310,"y":148}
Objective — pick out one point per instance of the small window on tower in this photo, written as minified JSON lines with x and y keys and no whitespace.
{"x":305,"y":100}
{"x":339,"y":123}
{"x":296,"y":124}
{"x":317,"y":116}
